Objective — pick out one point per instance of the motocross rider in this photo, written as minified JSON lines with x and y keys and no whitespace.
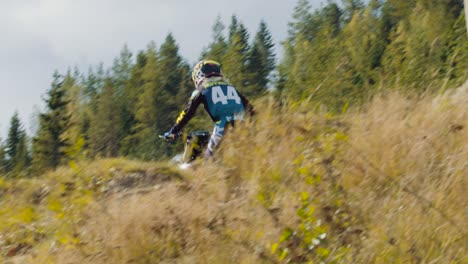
{"x":222,"y":101}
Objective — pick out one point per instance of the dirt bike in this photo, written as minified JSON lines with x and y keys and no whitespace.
{"x":195,"y":144}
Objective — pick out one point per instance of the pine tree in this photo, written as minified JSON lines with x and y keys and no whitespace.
{"x":75,"y":134}
{"x":2,"y":158}
{"x":233,"y":28}
{"x":121,"y":74}
{"x":261,"y":59}
{"x":301,"y":20}
{"x":185,"y":87}
{"x":133,"y":86}
{"x":236,"y":59}
{"x":310,"y":52}
{"x":284,"y":69}
{"x":217,"y":47}
{"x":17,"y":156}
{"x":49,"y":144}
{"x":105,"y":125}
{"x":364,"y":44}
{"x":299,"y":80}
{"x":418,"y":48}
{"x":157,"y":107}
{"x":170,"y":63}
{"x":243,"y":34}
{"x":351,"y":7}
{"x":22,"y":160}
{"x":122,"y":70}
{"x":15,"y":134}
{"x":332,"y":16}
{"x":91,"y":87}
{"x":143,"y":141}
{"x":299,"y":28}
{"x":399,"y":9}
{"x":76,"y":74}
{"x":171,"y":66}
{"x":132,"y":92}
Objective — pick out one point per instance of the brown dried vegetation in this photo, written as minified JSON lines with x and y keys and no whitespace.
{"x":382,"y":184}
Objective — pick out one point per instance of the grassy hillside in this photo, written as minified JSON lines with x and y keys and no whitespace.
{"x":381,"y":184}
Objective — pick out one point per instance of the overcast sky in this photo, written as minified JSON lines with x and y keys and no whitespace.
{"x":40,"y":36}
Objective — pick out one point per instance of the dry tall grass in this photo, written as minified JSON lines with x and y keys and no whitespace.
{"x":384,"y":184}
{"x":409,"y":172}
{"x":394,"y":175}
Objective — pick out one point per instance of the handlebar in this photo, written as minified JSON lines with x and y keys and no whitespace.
{"x":170,"y":138}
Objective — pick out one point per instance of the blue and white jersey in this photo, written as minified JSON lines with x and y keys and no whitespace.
{"x":221,"y":100}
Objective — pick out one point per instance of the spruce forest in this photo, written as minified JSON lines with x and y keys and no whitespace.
{"x":356,"y":154}
{"x":336,"y":56}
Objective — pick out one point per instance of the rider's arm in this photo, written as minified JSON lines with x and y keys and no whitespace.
{"x":188,"y":112}
{"x":248,"y":107}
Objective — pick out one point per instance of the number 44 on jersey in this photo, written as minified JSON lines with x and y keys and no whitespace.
{"x":219,"y":96}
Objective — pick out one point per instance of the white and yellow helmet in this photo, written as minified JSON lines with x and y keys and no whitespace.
{"x":205,"y":69}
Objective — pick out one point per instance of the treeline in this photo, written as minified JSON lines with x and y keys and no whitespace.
{"x":343,"y":53}
{"x":339,"y":54}
{"x":120,"y":111}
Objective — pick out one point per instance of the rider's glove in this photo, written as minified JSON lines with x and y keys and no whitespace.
{"x":169,"y":135}
{"x":250,"y":110}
